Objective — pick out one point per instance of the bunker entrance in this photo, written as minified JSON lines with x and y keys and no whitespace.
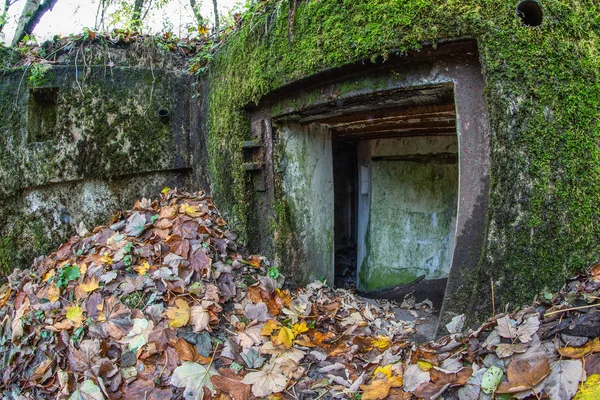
{"x":395,"y":174}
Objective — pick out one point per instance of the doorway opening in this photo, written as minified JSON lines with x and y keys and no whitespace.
{"x":395,"y":174}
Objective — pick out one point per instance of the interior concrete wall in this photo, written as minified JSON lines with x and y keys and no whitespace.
{"x":411,"y":218}
{"x":308,"y":187}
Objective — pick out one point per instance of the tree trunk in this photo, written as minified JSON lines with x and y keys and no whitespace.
{"x":136,"y":16}
{"x":216,"y":16}
{"x":196,"y":10}
{"x":33,"y":11}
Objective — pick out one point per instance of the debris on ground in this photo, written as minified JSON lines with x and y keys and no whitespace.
{"x":161,"y":304}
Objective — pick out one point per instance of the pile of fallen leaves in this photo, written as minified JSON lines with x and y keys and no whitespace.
{"x":161,"y":304}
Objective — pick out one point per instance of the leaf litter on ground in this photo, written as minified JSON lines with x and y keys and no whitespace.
{"x":161,"y":303}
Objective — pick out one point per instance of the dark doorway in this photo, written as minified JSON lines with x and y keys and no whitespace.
{"x":345,"y":208}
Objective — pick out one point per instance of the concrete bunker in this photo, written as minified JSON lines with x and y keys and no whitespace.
{"x":383,"y":170}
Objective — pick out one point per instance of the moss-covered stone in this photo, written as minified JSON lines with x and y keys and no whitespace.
{"x":543,"y":91}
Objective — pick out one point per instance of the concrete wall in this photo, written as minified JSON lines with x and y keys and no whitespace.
{"x":410,"y":219}
{"x":308,"y":187}
{"x":95,"y":147}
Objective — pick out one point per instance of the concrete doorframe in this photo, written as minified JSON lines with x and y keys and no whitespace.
{"x":405,"y":81}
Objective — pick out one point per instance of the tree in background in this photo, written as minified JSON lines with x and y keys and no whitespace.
{"x":33,"y":11}
{"x":4,"y":12}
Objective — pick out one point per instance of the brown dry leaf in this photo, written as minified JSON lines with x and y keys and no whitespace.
{"x":200,"y":316}
{"x":179,"y":315}
{"x":376,"y":390}
{"x":596,"y":273}
{"x":522,"y":376}
{"x":188,"y":352}
{"x":254,"y":261}
{"x":115,"y":318}
{"x":230,"y":383}
{"x":593,"y":346}
{"x":266,"y":381}
{"x":146,"y":390}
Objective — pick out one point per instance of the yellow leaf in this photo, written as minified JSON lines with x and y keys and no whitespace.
{"x":143,"y":268}
{"x":300,"y":328}
{"x":179,"y":315}
{"x":284,"y":337}
{"x":165,"y":190}
{"x":382,"y":342}
{"x":269,"y":327}
{"x":53,"y":293}
{"x":190,"y":210}
{"x":387,"y":371}
{"x":424,"y":365}
{"x":106,"y":258}
{"x":83,"y":269}
{"x":396,"y":381}
{"x":581,"y":352}
{"x":48,"y":275}
{"x":90,"y":285}
{"x":590,"y":389}
{"x":376,"y":390}
{"x":75,"y":315}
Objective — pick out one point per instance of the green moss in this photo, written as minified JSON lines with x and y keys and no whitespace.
{"x":543,"y":91}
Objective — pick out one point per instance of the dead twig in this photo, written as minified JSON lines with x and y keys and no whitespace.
{"x":570,"y":309}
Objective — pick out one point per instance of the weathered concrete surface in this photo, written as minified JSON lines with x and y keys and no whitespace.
{"x":412,"y":215}
{"x":80,"y":142}
{"x":308,"y":186}
{"x":410,"y":220}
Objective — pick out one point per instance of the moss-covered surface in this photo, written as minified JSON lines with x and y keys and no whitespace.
{"x":543,"y":91}
{"x":106,"y":149}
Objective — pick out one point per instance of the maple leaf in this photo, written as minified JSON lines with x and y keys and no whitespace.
{"x":193,"y":377}
{"x":266,"y":381}
{"x":258,"y":312}
{"x":593,"y":346}
{"x":252,"y":359}
{"x":230,"y":383}
{"x":179,"y":315}
{"x":142,"y":268}
{"x":284,"y":337}
{"x":200,"y":317}
{"x":300,"y":328}
{"x":190,"y":210}
{"x":90,"y":285}
{"x":135,"y":224}
{"x":563,"y":379}
{"x":75,"y":315}
{"x":88,"y":390}
{"x":83,"y":359}
{"x":376,"y":390}
{"x":270,"y":327}
{"x":115,"y":318}
{"x":382,"y":342}
{"x":522,"y":376}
